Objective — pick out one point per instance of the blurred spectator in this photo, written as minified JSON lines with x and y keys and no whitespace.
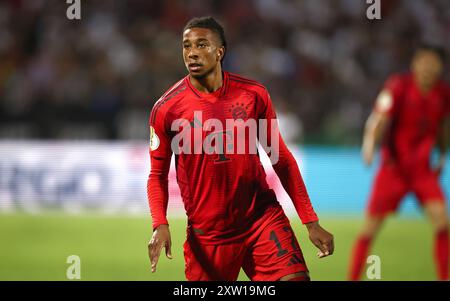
{"x":98,"y":77}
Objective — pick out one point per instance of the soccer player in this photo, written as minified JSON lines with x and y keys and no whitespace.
{"x":411,"y":114}
{"x":234,"y":218}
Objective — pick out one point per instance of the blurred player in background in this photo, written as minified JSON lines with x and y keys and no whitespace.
{"x":411,"y":115}
{"x":234,"y":218}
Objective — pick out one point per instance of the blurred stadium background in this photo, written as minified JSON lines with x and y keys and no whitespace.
{"x":75,"y":96}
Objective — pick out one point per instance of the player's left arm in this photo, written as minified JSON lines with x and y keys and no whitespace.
{"x":287,"y":170}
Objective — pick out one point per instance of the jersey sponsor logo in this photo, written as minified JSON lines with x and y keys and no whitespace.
{"x":154,"y":139}
{"x":225,"y":137}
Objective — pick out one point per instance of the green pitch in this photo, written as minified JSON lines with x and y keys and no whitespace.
{"x":115,"y":248}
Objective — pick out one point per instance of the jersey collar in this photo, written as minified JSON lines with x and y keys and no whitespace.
{"x":216,"y":94}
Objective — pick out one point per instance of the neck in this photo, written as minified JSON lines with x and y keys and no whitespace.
{"x":424,"y":87}
{"x":210,"y":82}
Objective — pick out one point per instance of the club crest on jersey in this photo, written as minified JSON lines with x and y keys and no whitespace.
{"x":239,"y":111}
{"x":154,"y":139}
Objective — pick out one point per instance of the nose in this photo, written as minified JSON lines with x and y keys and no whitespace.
{"x":192,"y":53}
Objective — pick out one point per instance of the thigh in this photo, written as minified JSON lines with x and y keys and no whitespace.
{"x":212,"y":262}
{"x":274,"y":252}
{"x":388,"y":190}
{"x":427,"y":189}
{"x":432,"y":199}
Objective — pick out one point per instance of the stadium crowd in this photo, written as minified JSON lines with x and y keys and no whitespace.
{"x":97,"y":78}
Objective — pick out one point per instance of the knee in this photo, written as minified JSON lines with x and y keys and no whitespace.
{"x":439,"y":220}
{"x":367,"y":235}
{"x":370,"y":229}
{"x":437,"y":214}
{"x":440,"y":226}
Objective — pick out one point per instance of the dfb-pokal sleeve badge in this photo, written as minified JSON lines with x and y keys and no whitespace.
{"x":154,"y":139}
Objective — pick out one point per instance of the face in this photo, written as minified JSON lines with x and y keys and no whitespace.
{"x":202,"y":51}
{"x":427,"y":67}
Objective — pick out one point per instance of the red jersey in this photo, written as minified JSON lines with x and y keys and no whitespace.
{"x":416,"y":119}
{"x":223,"y":194}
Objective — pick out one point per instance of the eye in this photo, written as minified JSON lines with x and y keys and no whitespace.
{"x":185,"y":46}
{"x":202,"y":45}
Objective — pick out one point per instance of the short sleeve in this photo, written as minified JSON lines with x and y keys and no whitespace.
{"x":388,"y":99}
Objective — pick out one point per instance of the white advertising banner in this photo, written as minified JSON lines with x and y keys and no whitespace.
{"x":79,"y":177}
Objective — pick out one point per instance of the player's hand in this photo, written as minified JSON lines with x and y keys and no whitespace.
{"x":321,"y":238}
{"x":160,"y":239}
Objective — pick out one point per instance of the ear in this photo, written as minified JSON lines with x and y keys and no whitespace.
{"x":220,"y":53}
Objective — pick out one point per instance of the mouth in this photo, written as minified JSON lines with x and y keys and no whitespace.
{"x":194,"y":67}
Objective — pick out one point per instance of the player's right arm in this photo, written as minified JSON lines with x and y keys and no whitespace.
{"x":157,"y":185}
{"x":378,"y":121}
{"x":376,"y":125}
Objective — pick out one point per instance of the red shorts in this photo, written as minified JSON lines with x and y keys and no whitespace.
{"x":267,"y":254}
{"x":392,"y":184}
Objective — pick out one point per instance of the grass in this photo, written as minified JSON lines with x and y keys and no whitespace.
{"x":36,"y":247}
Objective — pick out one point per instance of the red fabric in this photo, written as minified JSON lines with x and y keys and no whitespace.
{"x":416,"y":119}
{"x":268,"y":254}
{"x":359,"y":257}
{"x":392,"y":184}
{"x":223,"y":194}
{"x":441,"y":254}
